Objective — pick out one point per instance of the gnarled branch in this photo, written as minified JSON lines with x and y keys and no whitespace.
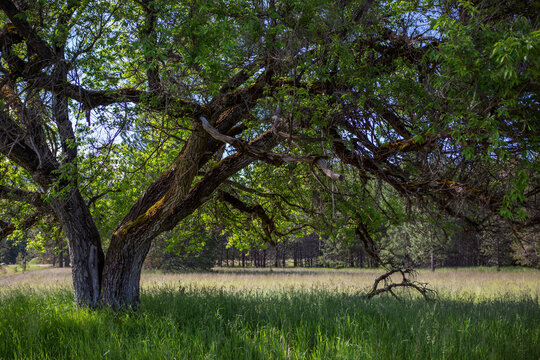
{"x":269,"y":157}
{"x":389,"y":285}
{"x":268,"y":224}
{"x":19,"y":195}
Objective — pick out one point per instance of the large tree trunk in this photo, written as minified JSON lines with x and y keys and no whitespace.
{"x":165,"y":203}
{"x":149,"y":217}
{"x":86,"y":254}
{"x":122,"y":272}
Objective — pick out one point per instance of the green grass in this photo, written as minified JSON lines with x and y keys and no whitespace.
{"x":192,"y":317}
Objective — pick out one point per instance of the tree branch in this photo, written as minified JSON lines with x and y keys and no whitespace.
{"x":19,"y":195}
{"x":25,"y":29}
{"x":13,"y":145}
{"x":272,"y":158}
{"x":149,"y":38}
{"x":7,"y":229}
{"x":389,"y":285}
{"x":268,"y":225}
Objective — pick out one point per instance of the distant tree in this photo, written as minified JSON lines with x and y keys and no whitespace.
{"x":10,"y":250}
{"x":418,"y":243}
{"x":180,"y":257}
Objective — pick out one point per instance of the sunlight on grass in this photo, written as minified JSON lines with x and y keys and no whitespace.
{"x":21,"y":269}
{"x":282,"y":314}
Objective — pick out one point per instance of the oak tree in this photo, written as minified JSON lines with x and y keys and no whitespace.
{"x":437,"y":99}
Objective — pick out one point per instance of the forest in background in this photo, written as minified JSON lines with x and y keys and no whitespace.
{"x":423,"y":248}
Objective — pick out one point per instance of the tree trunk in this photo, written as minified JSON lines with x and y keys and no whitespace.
{"x":498,"y":256}
{"x":122,"y":271}
{"x":86,"y":254}
{"x":66,"y":260}
{"x":164,"y":204}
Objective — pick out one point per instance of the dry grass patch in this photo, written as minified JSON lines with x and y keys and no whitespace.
{"x":469,"y":283}
{"x":44,"y":277}
{"x":476,"y":284}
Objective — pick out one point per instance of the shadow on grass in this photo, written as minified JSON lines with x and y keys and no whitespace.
{"x":213,"y":323}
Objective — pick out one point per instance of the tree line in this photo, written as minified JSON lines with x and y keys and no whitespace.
{"x":461,"y":249}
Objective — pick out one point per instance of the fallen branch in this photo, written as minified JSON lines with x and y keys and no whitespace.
{"x":389,"y":285}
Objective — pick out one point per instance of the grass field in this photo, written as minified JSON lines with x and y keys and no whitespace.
{"x":14,"y":269}
{"x":279,"y":314}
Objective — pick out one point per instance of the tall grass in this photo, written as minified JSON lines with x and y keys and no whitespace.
{"x":272,"y":316}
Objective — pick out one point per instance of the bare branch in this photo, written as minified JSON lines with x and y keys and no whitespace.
{"x":323,"y":165}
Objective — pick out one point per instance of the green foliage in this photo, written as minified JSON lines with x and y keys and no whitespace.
{"x":413,"y":243}
{"x":183,"y":250}
{"x":489,"y":64}
{"x":9,"y":250}
{"x":459,"y":76}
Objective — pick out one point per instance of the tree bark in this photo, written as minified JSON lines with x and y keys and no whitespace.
{"x":86,"y":254}
{"x":122,"y":272}
{"x":131,"y":241}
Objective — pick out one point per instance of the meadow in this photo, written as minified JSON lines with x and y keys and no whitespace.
{"x":277,"y":314}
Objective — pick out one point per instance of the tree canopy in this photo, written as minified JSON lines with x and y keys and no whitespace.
{"x":120,"y":119}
